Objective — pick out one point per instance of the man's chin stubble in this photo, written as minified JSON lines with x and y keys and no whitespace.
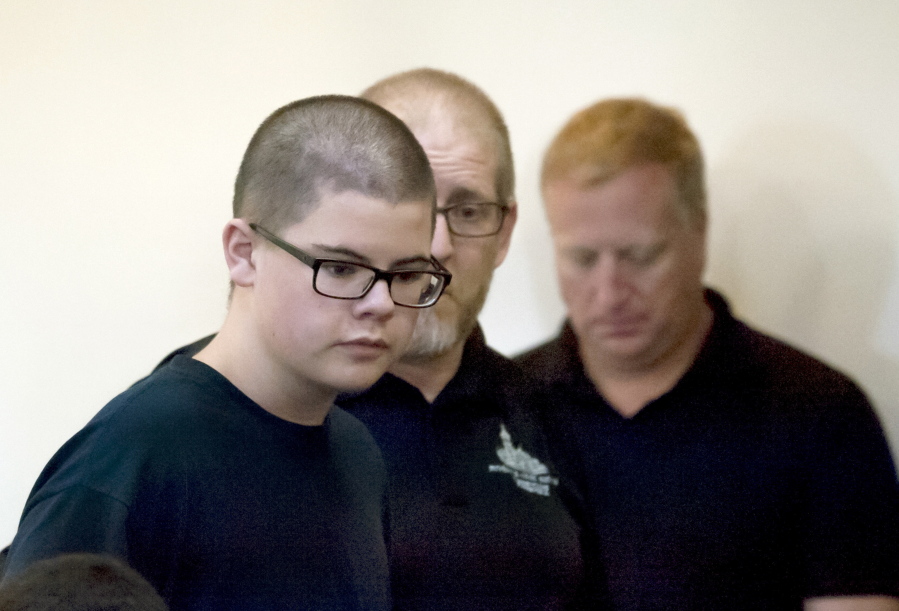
{"x":431,"y":337}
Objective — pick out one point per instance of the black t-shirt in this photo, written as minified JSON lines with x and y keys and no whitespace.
{"x":476,"y":517}
{"x":220,"y":504}
{"x":762,"y":478}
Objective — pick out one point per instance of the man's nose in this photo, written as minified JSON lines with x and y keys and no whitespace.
{"x":442,"y":243}
{"x":608,"y":282}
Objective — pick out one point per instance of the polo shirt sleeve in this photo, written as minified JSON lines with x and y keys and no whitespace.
{"x":852,"y":532}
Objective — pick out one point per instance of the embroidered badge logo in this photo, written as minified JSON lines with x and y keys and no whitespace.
{"x":529,"y":473}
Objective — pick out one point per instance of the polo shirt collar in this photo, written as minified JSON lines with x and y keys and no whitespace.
{"x":719,"y":361}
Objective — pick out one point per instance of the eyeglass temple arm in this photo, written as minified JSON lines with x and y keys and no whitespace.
{"x":290,"y":248}
{"x":447,"y":276}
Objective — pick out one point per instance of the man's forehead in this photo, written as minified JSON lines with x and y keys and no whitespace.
{"x":461,"y":145}
{"x":429,"y":114}
{"x":638,"y":188}
{"x":462,"y":176}
{"x":611,"y":232}
{"x":452,"y":129}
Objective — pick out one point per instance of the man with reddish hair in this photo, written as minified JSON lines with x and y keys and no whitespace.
{"x":718,"y":468}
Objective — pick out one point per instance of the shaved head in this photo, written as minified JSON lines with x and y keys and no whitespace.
{"x":328,"y":143}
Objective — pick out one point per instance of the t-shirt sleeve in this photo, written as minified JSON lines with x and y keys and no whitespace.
{"x":107,"y":490}
{"x":76,"y":519}
{"x":853,"y":504}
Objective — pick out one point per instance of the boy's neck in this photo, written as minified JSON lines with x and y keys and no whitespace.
{"x":237,"y":356}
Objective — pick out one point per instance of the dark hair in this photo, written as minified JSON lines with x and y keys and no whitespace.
{"x":338,"y":143}
{"x":79,"y":582}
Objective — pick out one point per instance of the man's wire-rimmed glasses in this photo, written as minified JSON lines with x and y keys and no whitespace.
{"x":474,"y":220}
{"x":339,"y":279}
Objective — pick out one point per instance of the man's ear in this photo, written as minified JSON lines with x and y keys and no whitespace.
{"x":505,"y":233}
{"x":237,"y":240}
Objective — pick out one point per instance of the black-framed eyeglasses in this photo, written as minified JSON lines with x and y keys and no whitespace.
{"x":474,"y":220}
{"x":412,"y":288}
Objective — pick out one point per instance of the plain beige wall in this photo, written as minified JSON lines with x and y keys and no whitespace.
{"x":122,"y":124}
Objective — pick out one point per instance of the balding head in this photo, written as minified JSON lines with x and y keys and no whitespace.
{"x":423,"y":96}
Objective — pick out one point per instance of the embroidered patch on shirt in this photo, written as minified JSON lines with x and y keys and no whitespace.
{"x":529,"y":473}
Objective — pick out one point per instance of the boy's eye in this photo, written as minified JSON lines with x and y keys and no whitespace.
{"x":338,"y":269}
{"x":408,"y":277}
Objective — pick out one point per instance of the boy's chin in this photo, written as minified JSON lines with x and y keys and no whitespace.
{"x":359,"y":384}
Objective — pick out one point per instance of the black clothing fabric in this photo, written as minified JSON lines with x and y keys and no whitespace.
{"x":4,"y":554}
{"x":476,"y":518}
{"x":188,"y":350}
{"x":762,"y":478}
{"x":218,"y":503}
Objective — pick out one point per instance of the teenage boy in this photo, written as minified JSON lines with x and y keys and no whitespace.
{"x":477,"y":520}
{"x":228,"y":479}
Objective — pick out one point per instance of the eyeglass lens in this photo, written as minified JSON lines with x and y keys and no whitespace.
{"x":350,"y":281}
{"x":474,"y":220}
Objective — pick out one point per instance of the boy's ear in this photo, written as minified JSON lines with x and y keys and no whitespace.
{"x":237,"y":240}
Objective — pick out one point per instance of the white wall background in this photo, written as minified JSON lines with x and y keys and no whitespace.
{"x":122,"y":124}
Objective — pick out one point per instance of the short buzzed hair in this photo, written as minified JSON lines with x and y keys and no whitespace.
{"x":413,"y":94}
{"x":614,"y":135}
{"x":337,"y":143}
{"x":79,"y":582}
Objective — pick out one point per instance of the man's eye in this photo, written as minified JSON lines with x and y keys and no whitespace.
{"x":583,"y":258}
{"x":641,"y":255}
{"x":336,"y":269}
{"x":468,"y":212}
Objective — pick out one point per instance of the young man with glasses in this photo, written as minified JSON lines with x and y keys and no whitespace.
{"x":229,"y":480}
{"x":476,"y":517}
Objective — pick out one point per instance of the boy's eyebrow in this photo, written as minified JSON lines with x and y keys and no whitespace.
{"x":345,"y":252}
{"x":418,"y":259}
{"x":355,"y":257}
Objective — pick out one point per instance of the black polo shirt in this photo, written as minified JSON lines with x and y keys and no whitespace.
{"x":762,"y":478}
{"x":476,"y":518}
